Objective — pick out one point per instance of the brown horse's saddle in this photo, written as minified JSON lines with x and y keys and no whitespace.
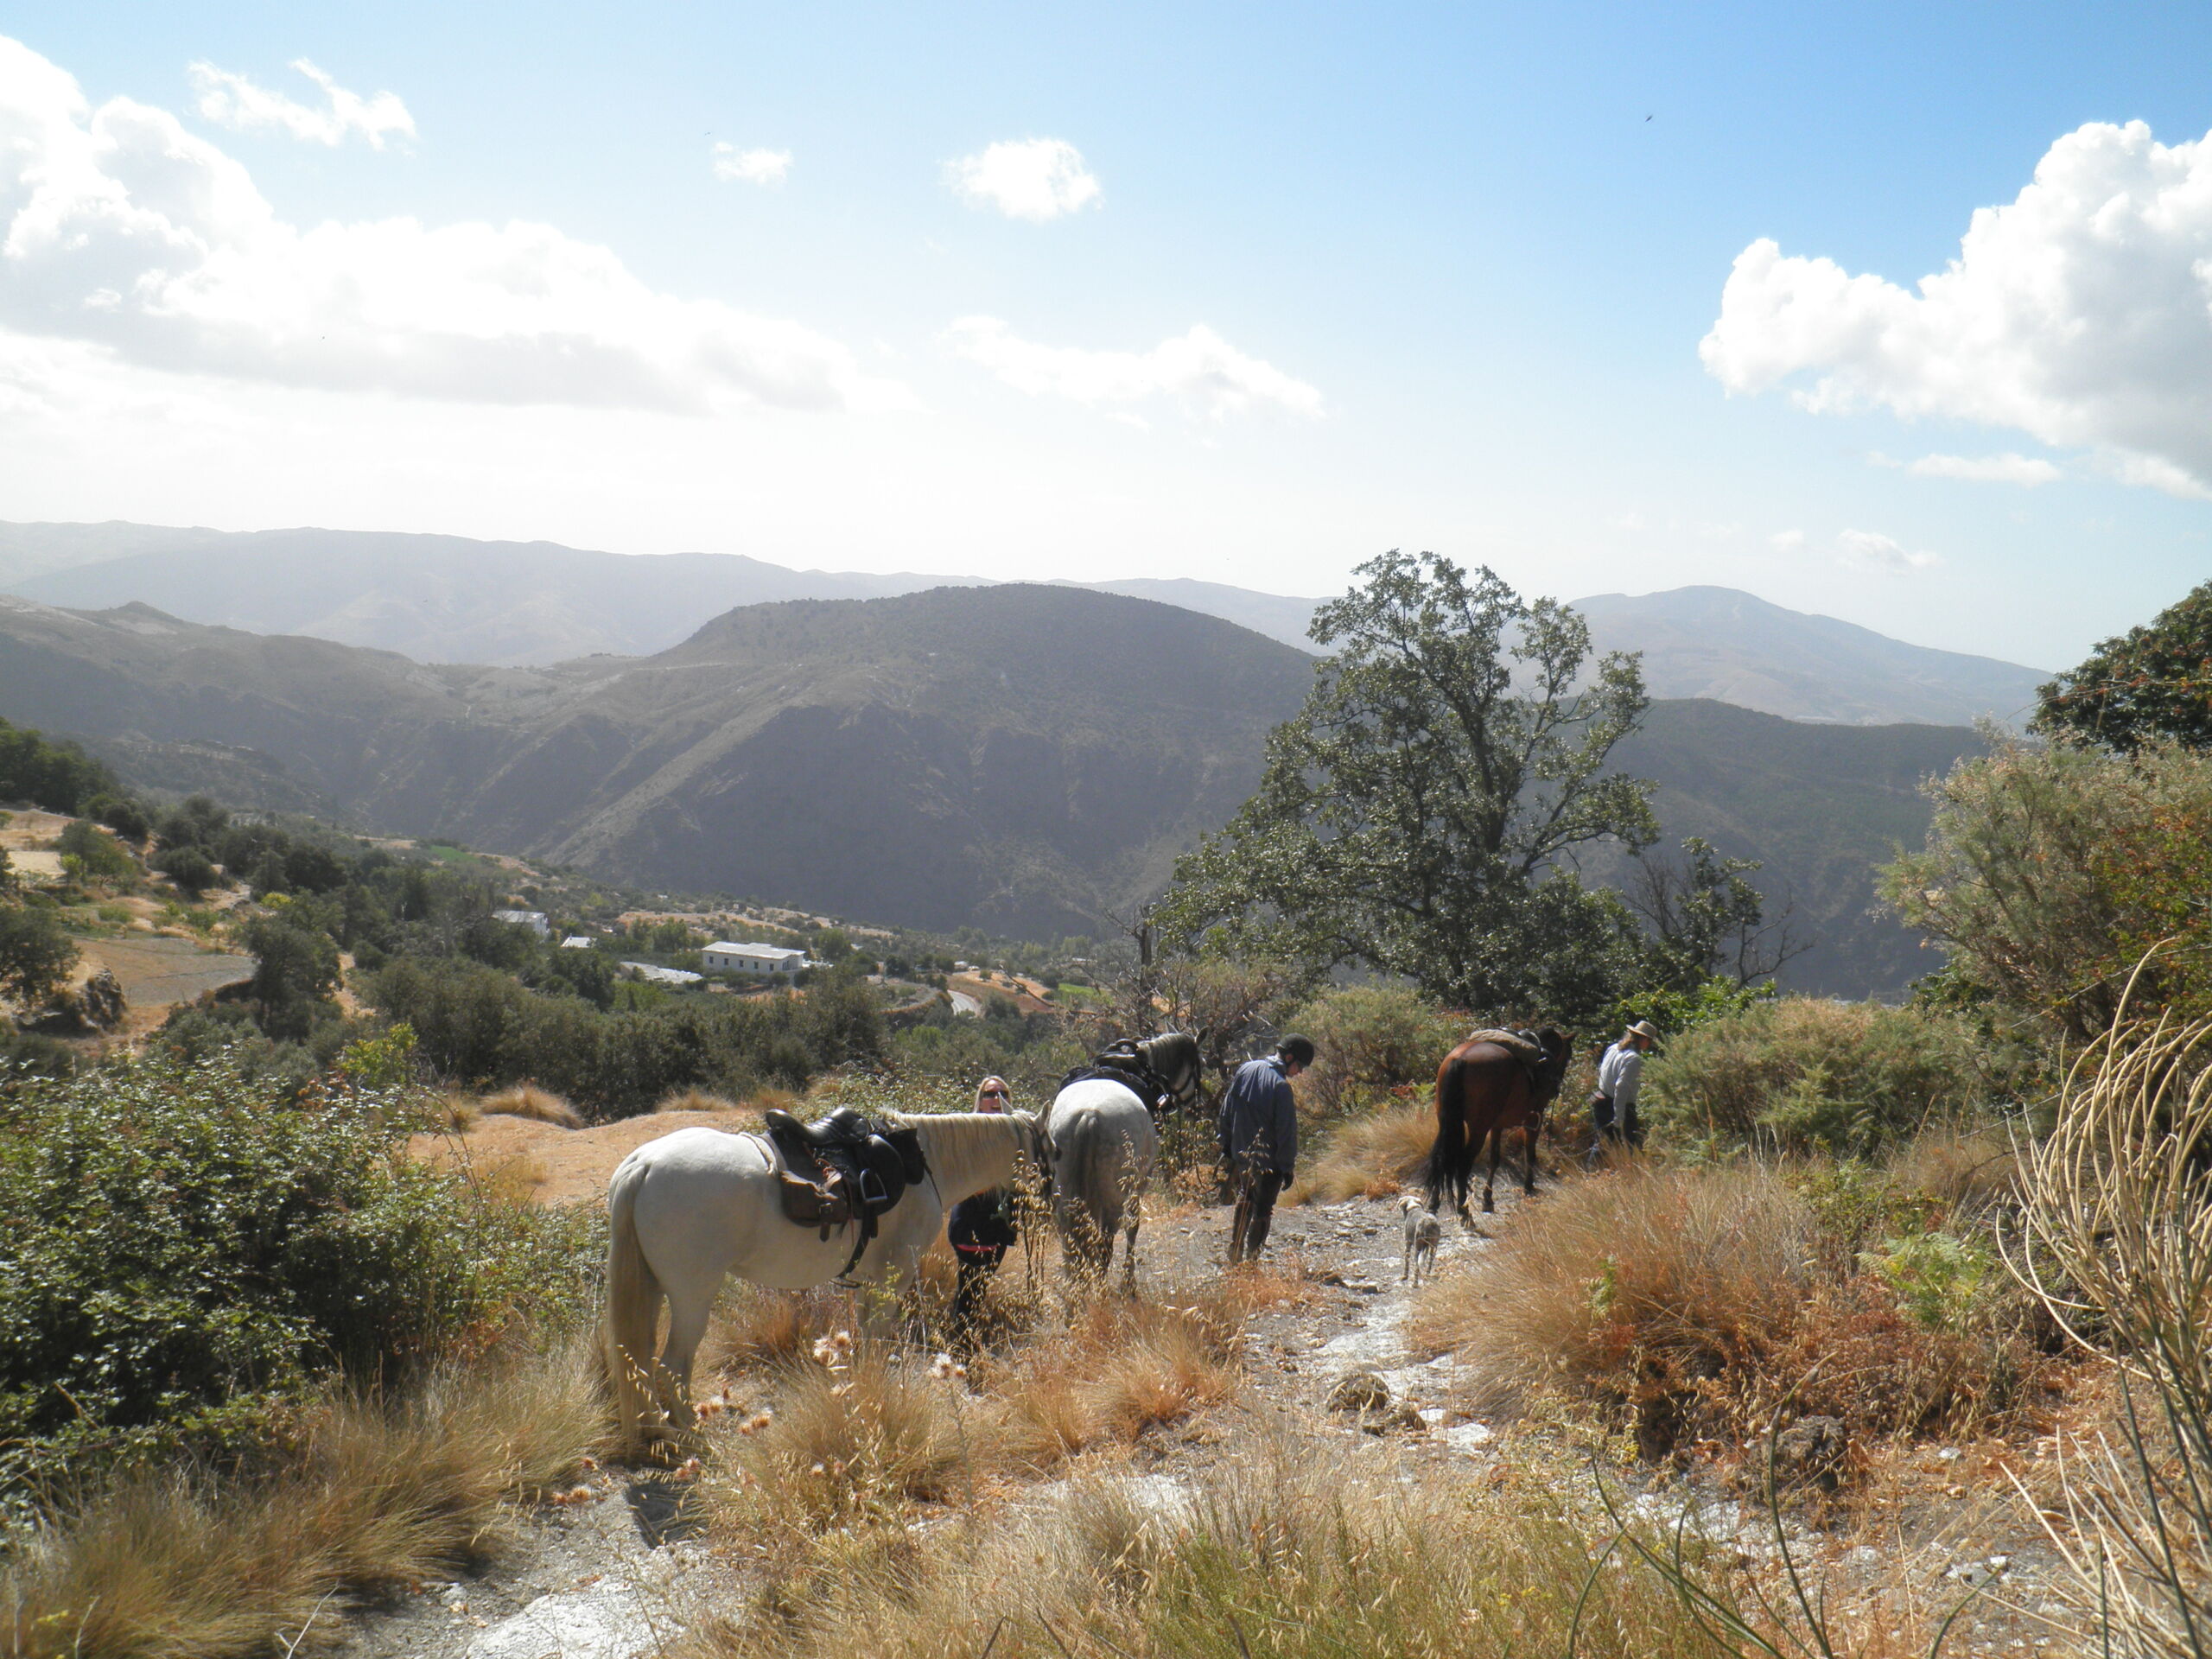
{"x":846,"y":1168}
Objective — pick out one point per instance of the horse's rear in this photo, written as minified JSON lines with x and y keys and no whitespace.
{"x":1485,"y":1090}
{"x":1104,"y":1146}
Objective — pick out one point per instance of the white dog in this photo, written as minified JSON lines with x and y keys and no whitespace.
{"x":1423,"y":1233}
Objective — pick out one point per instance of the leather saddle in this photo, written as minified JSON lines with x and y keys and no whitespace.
{"x":847,"y":1168}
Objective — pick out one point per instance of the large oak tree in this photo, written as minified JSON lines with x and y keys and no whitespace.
{"x":1420,"y":814}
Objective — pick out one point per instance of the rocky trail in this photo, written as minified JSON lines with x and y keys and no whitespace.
{"x":615,"y":1577}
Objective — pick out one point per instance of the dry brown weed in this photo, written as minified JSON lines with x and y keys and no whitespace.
{"x":528,"y":1100}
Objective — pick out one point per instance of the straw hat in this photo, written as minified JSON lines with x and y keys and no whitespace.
{"x":1644,"y":1029}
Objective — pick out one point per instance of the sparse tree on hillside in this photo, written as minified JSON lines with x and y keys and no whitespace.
{"x":1420,"y":815}
{"x":1705,"y":920}
{"x":294,"y":970}
{"x":2151,"y":683}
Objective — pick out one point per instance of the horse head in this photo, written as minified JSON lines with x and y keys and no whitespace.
{"x":1173,"y":1058}
{"x":1558,"y":1048}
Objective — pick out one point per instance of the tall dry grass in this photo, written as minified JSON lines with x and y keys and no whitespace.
{"x":1276,"y":1554}
{"x":1373,"y":1156}
{"x":1702,"y":1301}
{"x":528,"y":1100}
{"x":2119,"y":1246}
{"x":380,"y":1493}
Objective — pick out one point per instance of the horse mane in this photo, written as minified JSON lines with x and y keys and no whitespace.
{"x":960,"y":1136}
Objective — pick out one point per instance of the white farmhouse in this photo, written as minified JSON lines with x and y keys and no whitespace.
{"x":533,"y":919}
{"x":762,"y":960}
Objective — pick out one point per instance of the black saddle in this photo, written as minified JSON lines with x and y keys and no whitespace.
{"x":1121,"y":1063}
{"x":846,"y":1168}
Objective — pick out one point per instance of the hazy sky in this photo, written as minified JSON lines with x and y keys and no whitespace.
{"x":1901,"y":314}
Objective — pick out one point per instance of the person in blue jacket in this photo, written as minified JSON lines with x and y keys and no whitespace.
{"x":1258,"y":1122}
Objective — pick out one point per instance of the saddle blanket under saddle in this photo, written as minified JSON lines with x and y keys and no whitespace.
{"x":1522,"y":1045}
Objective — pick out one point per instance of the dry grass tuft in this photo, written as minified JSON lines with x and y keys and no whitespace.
{"x":514,"y":1181}
{"x":850,"y":1444}
{"x":695,"y":1100}
{"x":1370,"y":1157}
{"x":453,"y":1112}
{"x":756,"y":1330}
{"x":528,"y":1100}
{"x":382,"y":1494}
{"x":1707,"y":1300}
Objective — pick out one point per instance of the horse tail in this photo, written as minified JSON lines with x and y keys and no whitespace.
{"x":1445,"y":1173}
{"x":1072,"y":1183}
{"x":633,"y":1299}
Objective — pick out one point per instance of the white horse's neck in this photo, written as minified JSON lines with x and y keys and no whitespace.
{"x":972,"y":1152}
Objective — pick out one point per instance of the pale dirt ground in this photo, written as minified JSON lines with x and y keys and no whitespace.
{"x":612,"y":1579}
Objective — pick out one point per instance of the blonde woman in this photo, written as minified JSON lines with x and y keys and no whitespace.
{"x":981,"y":1229}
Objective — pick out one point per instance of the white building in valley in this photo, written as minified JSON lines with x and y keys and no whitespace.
{"x":760,"y":960}
{"x":533,"y":919}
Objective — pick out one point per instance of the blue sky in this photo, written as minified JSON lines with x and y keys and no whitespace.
{"x":1320,"y":281}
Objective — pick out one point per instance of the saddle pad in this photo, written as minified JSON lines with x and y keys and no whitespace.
{"x":1512,"y":1041}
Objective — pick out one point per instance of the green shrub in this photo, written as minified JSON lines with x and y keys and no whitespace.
{"x":1802,"y":1073}
{"x":36,"y":952}
{"x":189,"y":1249}
{"x":1938,"y":1276}
{"x":189,"y":868}
{"x":1369,"y":1040}
{"x":100,"y":856}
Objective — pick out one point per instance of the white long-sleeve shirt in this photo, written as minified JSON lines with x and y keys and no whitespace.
{"x":1619,"y":1073}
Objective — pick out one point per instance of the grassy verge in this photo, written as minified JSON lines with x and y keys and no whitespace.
{"x":372,"y":1494}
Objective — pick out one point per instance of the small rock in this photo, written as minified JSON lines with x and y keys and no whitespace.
{"x":1361,"y":1391}
{"x":1950,"y":1454}
{"x":1810,"y":1452}
{"x":1998,"y":1563}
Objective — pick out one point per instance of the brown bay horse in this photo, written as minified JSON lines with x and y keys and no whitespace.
{"x":1483,"y":1088}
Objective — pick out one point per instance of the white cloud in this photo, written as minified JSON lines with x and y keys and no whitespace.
{"x":2023,"y":470}
{"x":124,"y":230}
{"x":2080,"y":313}
{"x":1037,"y":179}
{"x":1786,"y":541}
{"x":1200,"y":368}
{"x":752,"y":166}
{"x":233,"y":101}
{"x":1871,"y":551}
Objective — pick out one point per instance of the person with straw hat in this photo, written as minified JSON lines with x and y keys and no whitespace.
{"x":1620,"y":1072}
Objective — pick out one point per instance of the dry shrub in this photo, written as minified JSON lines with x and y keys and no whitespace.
{"x":1704,"y":1299}
{"x":2120,"y":1250}
{"x":695,"y":1100}
{"x":380,"y":1494}
{"x":528,"y":1100}
{"x":1370,"y":1157}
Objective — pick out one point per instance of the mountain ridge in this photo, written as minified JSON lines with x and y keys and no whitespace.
{"x":1026,"y":758}
{"x":523,"y":604}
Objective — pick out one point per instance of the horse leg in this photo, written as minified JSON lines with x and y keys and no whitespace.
{"x":1496,"y":1146}
{"x":1529,"y":1186}
{"x":1130,"y":1247}
{"x":686,"y":1324}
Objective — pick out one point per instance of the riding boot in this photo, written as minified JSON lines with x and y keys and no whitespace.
{"x":1265,"y":1184}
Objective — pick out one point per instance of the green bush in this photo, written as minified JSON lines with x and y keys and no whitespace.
{"x":1802,"y":1073}
{"x":187,"y":1250}
{"x":1369,"y":1040}
{"x":100,"y":856}
{"x":36,"y":952}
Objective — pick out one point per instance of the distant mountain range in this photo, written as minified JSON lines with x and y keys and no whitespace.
{"x":1025,"y":758}
{"x":445,"y":599}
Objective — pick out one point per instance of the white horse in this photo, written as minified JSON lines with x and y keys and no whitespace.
{"x":688,"y":1209}
{"x":1102,"y":1145}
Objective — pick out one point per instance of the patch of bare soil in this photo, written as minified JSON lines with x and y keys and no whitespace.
{"x":564,"y":1166}
{"x":157,"y":971}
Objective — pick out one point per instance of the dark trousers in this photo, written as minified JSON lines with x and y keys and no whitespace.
{"x":1621,"y":1128}
{"x":977,"y":1263}
{"x":1256,"y":1190}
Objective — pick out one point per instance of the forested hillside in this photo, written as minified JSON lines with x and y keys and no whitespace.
{"x":1023,"y":759}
